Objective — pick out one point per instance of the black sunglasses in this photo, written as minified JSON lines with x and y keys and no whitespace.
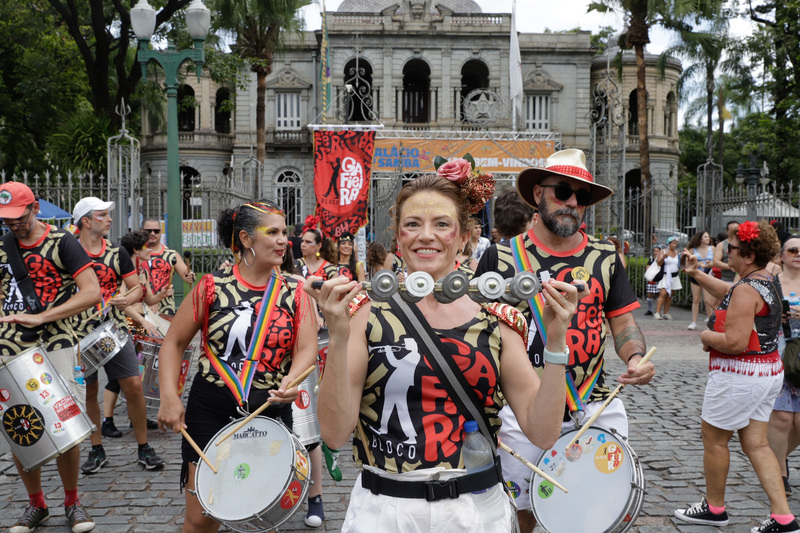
{"x":564,"y":192}
{"x":156,"y":231}
{"x":792,"y":251}
{"x":732,"y":247}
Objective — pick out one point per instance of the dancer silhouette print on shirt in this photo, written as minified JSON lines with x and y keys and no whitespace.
{"x":401,"y":379}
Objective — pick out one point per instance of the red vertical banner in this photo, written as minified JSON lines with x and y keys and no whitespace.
{"x":342,"y":169}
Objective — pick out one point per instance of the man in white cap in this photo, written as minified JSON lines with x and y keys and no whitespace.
{"x":557,"y":248}
{"x":56,"y":265}
{"x":120,"y":287}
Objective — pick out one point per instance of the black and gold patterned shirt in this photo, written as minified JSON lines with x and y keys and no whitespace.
{"x":161,"y":274}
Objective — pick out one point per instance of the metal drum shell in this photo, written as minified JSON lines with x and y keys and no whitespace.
{"x":147,"y":349}
{"x":610,"y":497}
{"x":96,"y":347}
{"x":30,"y":382}
{"x":263,"y":473}
{"x":305,"y":423}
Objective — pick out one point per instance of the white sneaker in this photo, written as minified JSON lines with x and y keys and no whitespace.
{"x":656,"y":316}
{"x":692,"y":326}
{"x":667,"y":316}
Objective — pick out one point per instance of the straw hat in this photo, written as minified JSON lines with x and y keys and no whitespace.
{"x":569,"y":163}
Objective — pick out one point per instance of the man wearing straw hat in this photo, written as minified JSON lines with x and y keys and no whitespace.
{"x":557,"y":248}
{"x":120,"y":287}
{"x":56,"y":265}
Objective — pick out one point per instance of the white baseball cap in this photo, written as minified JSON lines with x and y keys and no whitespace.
{"x":89,"y":204}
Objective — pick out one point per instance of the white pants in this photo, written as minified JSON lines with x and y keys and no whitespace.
{"x":516,"y":474}
{"x":368,"y":513}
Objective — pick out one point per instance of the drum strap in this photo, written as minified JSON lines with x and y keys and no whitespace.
{"x":432,"y":489}
{"x":24,"y":281}
{"x":446,"y":369}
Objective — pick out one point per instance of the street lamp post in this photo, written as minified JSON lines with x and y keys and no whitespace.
{"x":752,"y":176}
{"x":198,"y":21}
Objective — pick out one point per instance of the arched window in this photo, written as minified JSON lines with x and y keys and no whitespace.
{"x":192,"y":203}
{"x":290,"y":196}
{"x":670,"y":112}
{"x":222,"y":111}
{"x":633,"y":111}
{"x":186,"y":105}
{"x":416,"y":92}
{"x":474,"y":75}
{"x":358,"y":103}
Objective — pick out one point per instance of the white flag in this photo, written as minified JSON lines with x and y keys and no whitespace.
{"x":515,"y":70}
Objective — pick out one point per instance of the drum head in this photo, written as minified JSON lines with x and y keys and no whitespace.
{"x":597,"y":471}
{"x":254,"y":467}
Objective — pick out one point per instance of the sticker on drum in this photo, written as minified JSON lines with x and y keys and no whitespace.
{"x":608,"y":458}
{"x":4,"y":395}
{"x":588,"y":443}
{"x":66,"y":408}
{"x":292,"y":495}
{"x":574,"y":452}
{"x":46,"y":398}
{"x":32,"y":385}
{"x":24,"y":424}
{"x":301,"y":464}
{"x":514,"y":489}
{"x":241,"y":472}
{"x":554,"y":464}
{"x":545,"y":489}
{"x":38,"y":358}
{"x":58,"y":428}
{"x":303,"y":400}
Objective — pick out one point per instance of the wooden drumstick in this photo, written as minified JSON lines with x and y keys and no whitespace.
{"x":299,"y":379}
{"x":602,"y":408}
{"x":194,"y":445}
{"x":532,"y":466}
{"x":100,"y":311}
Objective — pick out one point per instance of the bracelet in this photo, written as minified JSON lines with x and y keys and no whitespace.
{"x":631,"y":356}
{"x":556,"y":358}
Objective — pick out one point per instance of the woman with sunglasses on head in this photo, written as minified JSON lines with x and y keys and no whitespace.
{"x":348,"y":266}
{"x":745,"y":376}
{"x":784,"y":423}
{"x":670,"y":259}
{"x":225,"y":306}
{"x":377,"y":378}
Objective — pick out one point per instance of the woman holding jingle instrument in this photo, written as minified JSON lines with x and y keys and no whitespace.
{"x":227,"y":307}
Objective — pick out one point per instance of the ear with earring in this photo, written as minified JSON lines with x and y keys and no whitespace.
{"x":317,"y":254}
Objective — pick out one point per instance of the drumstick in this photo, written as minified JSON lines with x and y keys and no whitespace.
{"x":532,"y":466}
{"x":194,"y":445}
{"x":613,"y":395}
{"x":299,"y":379}
{"x":100,"y":311}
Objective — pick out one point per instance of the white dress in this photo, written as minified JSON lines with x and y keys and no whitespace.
{"x":671,"y":266}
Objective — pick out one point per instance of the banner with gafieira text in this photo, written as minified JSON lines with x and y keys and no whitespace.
{"x":342,"y":168}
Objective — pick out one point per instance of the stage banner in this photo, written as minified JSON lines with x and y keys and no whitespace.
{"x":342,"y":167}
{"x":416,"y":155}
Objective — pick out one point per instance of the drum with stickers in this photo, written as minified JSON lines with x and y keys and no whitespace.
{"x":262,"y":476}
{"x":147,"y":354}
{"x":605,"y":482}
{"x":99,"y":346}
{"x":304,"y":410}
{"x":41,"y":418}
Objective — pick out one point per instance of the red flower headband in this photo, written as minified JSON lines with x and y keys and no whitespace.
{"x":748,"y":231}
{"x":476,"y":187}
{"x":310,"y":223}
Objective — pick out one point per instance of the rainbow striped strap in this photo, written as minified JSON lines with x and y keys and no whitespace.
{"x":523,"y":263}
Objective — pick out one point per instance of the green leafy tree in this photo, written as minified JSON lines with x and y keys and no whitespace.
{"x":258,"y":27}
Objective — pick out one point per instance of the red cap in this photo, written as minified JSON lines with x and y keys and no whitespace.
{"x":15,"y":197}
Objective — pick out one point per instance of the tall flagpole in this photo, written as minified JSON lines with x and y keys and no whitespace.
{"x":325,"y":67}
{"x":515,"y":70}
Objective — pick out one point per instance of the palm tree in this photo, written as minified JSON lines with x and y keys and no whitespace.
{"x":257,"y":27}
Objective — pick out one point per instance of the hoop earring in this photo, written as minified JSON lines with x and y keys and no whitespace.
{"x":244,"y":256}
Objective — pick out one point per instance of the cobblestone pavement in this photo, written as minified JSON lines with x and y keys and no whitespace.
{"x":665,"y":434}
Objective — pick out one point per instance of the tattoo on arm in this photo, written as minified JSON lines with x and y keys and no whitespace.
{"x":631,"y":334}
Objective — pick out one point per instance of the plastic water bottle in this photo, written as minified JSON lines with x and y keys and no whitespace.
{"x":478,"y":456}
{"x":794,"y":324}
{"x":77,"y":373}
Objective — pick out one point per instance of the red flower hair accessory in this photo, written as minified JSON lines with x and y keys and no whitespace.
{"x":310,"y":223}
{"x":748,"y":231}
{"x":476,"y":187}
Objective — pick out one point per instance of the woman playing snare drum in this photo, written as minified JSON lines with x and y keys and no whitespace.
{"x":377,"y":376}
{"x":224,"y":306}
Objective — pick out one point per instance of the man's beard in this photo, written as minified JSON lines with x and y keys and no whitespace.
{"x":561,"y":228}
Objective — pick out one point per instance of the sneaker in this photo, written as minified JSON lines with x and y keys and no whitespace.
{"x":110,"y":430}
{"x":78,"y":518}
{"x":666,"y":316}
{"x":771,"y":526}
{"x":151,"y":424}
{"x":32,"y":517}
{"x":648,"y":313}
{"x":149,"y":459}
{"x":97,"y":460}
{"x":700,"y":514}
{"x":692,"y":326}
{"x":786,"y":486}
{"x":315,"y":514}
{"x":656,"y":316}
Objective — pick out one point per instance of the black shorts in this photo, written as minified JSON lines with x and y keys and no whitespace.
{"x":122,"y":365}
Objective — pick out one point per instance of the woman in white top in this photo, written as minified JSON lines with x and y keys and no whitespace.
{"x":700,"y":247}
{"x":670,"y":259}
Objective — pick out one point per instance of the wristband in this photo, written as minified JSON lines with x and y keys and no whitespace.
{"x":631,"y":356}
{"x":556,"y":358}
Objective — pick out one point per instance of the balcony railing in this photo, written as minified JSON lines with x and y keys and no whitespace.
{"x":288,"y":137}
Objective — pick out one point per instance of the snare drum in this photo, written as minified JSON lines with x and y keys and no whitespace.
{"x":605,"y":482}
{"x":41,"y":418}
{"x":305,"y":423}
{"x":147,"y":354}
{"x":99,"y":346}
{"x":262,"y":476}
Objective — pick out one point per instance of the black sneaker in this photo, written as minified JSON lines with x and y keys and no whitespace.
{"x":32,"y":517}
{"x":79,"y":520}
{"x":315,"y":514}
{"x":786,"y":486}
{"x":648,"y":313}
{"x":97,"y":460}
{"x":700,"y":514}
{"x":110,"y":430}
{"x":149,"y":459}
{"x":771,"y":526}
{"x":151,"y":424}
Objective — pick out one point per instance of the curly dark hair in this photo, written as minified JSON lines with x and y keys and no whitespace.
{"x":134,"y":240}
{"x":694,"y":242}
{"x":763,"y":248}
{"x":511,"y":213}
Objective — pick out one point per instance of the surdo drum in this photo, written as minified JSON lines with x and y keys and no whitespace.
{"x":147,"y":354}
{"x":99,"y":346}
{"x":605,"y":481}
{"x":41,"y":419}
{"x":262,"y":476}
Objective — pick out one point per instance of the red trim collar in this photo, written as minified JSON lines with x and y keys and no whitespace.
{"x":41,"y":239}
{"x":532,"y":236}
